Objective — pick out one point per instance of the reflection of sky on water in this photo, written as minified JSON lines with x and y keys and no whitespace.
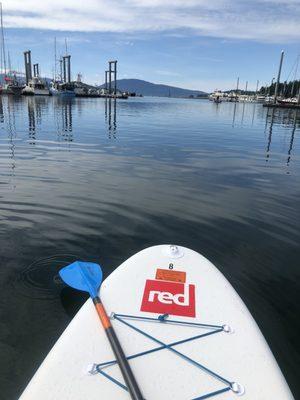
{"x":103,"y":179}
{"x":184,"y":150}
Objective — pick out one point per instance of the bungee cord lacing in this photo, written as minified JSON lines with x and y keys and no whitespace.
{"x":214,"y":329}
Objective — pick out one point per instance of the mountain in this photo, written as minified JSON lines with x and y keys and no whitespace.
{"x":153,"y":89}
{"x":139,"y":86}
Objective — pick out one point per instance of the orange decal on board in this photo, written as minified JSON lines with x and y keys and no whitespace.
{"x":169,"y":296}
{"x":170,"y":275}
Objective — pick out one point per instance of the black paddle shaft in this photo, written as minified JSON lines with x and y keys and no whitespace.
{"x":127,"y":373}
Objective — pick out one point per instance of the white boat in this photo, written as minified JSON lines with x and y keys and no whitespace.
{"x":217,"y":100}
{"x":36,"y":86}
{"x":185,"y":331}
{"x":269,"y":99}
{"x":291,"y":100}
{"x":62,"y":89}
{"x":217,"y":94}
{"x":260,"y":98}
{"x":223,"y":96}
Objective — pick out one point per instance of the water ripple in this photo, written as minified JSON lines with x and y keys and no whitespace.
{"x":40,"y":279}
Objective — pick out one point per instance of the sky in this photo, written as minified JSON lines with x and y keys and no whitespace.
{"x":195,"y":44}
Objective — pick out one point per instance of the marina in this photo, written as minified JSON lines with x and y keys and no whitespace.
{"x":61,"y":85}
{"x":279,"y":95}
{"x":286,"y":95}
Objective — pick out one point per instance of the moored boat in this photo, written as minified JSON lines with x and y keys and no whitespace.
{"x":36,"y":86}
{"x":63,"y":86}
{"x":260,"y":98}
{"x":291,"y":100}
{"x":62,"y":89}
{"x":10,"y":83}
{"x":12,"y":86}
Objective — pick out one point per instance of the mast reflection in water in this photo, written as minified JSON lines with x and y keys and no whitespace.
{"x":111,"y":117}
{"x":63,"y":109}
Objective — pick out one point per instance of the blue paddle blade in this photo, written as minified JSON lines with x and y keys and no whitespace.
{"x":84,"y":276}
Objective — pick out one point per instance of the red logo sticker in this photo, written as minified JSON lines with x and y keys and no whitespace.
{"x":165,"y":297}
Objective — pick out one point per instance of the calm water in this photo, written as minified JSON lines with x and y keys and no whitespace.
{"x":100,"y":181}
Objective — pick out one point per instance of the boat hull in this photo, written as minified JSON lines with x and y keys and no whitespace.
{"x":62,"y":93}
{"x":13,"y":90}
{"x":27,"y":91}
{"x":35,"y":92}
{"x":41,"y":92}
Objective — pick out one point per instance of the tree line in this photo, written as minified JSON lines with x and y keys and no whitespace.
{"x":285,"y":89}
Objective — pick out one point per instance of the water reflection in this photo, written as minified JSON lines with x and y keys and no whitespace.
{"x":8,"y":112}
{"x":66,"y":115}
{"x":253,"y":114}
{"x":63,"y":115}
{"x":183,"y":171}
{"x":286,"y":118}
{"x":31,"y":120}
{"x":39,"y":107}
{"x":1,"y":111}
{"x":243,"y":113}
{"x":11,"y":130}
{"x":111,"y":117}
{"x":292,"y":139}
{"x":271,"y":117}
{"x":234,"y":113}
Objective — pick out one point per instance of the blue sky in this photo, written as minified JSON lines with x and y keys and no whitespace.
{"x":197,"y":44}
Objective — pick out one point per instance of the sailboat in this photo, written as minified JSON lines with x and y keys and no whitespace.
{"x":35,"y":85}
{"x":10,"y":83}
{"x":61,"y":84}
{"x":62,"y":89}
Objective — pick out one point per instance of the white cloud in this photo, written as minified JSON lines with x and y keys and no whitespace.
{"x":262,"y":20}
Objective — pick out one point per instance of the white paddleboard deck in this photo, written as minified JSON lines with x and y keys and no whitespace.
{"x":189,"y":289}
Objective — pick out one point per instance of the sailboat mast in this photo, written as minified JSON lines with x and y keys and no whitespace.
{"x":295,"y":76}
{"x":60,"y":67}
{"x":9,"y":63}
{"x":55,"y":61}
{"x":1,"y":53}
{"x":278,"y":77}
{"x":3,"y":41}
{"x":237,"y":89}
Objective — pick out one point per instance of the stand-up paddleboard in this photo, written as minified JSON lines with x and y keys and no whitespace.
{"x":184,"y":329}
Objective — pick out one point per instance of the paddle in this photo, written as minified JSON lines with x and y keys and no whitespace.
{"x":87,"y":277}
